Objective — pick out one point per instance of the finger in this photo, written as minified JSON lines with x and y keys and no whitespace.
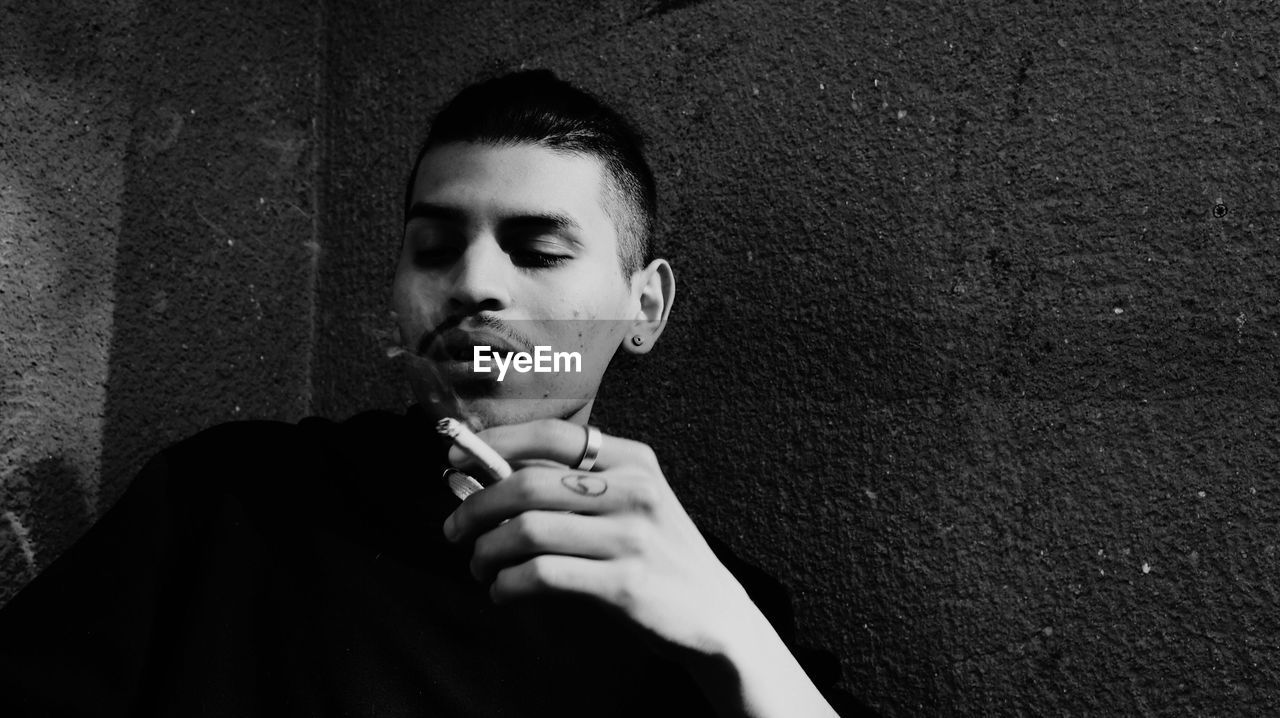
{"x":603,"y":580}
{"x":560,"y":441}
{"x":535,"y":533}
{"x":539,"y":488}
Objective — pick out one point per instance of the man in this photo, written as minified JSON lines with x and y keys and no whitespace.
{"x":324,"y":569}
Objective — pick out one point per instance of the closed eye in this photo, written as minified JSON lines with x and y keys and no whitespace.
{"x":537,"y":259}
{"x":540,"y":241}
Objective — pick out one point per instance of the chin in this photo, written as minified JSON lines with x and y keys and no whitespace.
{"x":493,"y":411}
{"x":488,"y":403}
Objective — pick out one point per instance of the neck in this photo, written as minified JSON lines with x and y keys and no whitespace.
{"x":583,"y":414}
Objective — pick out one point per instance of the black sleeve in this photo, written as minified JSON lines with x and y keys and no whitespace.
{"x":74,"y":641}
{"x":773,"y":600}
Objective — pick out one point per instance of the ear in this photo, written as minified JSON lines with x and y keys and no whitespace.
{"x":653,"y":289}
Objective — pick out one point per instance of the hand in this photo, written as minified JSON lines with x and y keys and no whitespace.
{"x":618,"y":534}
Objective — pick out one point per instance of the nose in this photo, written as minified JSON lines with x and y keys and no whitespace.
{"x":481,"y":278}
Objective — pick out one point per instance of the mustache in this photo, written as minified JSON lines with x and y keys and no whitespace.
{"x":481,"y":321}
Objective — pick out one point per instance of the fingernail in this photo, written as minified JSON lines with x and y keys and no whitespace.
{"x":450,"y":528}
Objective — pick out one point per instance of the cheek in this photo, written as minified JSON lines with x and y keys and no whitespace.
{"x":592,"y":322}
{"x":400,"y":283}
{"x":595,"y":333}
{"x":592,"y":295}
{"x":411,"y":301}
{"x":401,"y":299}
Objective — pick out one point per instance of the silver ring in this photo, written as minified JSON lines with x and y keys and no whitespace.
{"x":591,"y":450}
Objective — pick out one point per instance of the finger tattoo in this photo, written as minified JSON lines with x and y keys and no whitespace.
{"x":585,"y":484}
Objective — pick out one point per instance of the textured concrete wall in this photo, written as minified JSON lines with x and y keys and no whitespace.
{"x":977,"y":324}
{"x":216,"y":268}
{"x":157,"y":243}
{"x":64,"y":124}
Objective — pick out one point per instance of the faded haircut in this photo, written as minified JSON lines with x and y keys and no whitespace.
{"x":536,"y":107}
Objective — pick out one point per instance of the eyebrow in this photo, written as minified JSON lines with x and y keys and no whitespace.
{"x":541,"y":222}
{"x":525,"y":222}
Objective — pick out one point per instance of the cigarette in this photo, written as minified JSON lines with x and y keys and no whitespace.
{"x":465,"y":439}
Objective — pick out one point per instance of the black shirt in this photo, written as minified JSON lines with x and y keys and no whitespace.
{"x":264,"y":568}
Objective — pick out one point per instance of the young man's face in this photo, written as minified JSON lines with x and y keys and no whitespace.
{"x":512,"y":247}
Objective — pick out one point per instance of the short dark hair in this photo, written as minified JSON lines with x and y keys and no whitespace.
{"x":536,"y":107}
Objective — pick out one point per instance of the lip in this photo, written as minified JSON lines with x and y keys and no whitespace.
{"x":458,"y":345}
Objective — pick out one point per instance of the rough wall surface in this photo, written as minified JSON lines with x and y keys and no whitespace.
{"x":975,"y":340}
{"x":216,"y":260}
{"x":64,"y":126}
{"x":157,"y":244}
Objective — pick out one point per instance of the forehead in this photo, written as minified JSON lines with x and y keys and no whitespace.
{"x":492,"y":182}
